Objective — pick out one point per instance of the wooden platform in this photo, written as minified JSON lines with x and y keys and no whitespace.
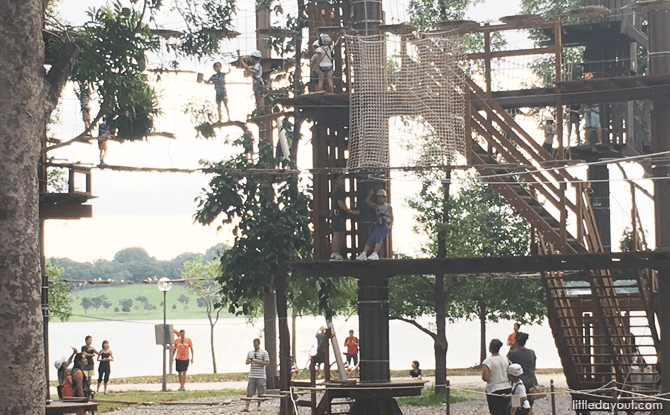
{"x":65,"y":407}
{"x":593,"y":91}
{"x":320,"y":106}
{"x":366,"y":390}
{"x":495,"y":266}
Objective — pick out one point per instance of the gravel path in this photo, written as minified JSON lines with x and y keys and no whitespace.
{"x":476,"y":407}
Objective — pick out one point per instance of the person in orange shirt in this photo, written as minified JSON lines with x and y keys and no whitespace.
{"x":181,"y":347}
{"x":512,"y":337}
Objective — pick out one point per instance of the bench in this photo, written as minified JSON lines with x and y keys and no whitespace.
{"x":71,"y":407}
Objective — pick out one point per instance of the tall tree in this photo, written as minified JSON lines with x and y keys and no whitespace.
{"x":479,"y":223}
{"x":201,"y":282}
{"x":59,"y":302}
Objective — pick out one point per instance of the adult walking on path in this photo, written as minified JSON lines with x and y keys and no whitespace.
{"x":258,"y":359}
{"x":527,"y":359}
{"x":494,"y":373}
{"x":181,"y":356}
{"x":351,"y":343}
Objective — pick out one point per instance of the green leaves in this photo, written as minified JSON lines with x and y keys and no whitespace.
{"x":272,"y":227}
{"x":111,"y":58}
{"x":59,"y":303}
{"x":208,"y":23}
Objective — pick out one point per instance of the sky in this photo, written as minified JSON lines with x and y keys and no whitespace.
{"x":155,"y":210}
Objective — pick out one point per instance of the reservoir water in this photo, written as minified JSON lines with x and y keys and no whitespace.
{"x":136,"y":352}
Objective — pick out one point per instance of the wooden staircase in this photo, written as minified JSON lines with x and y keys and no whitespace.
{"x":592,"y":332}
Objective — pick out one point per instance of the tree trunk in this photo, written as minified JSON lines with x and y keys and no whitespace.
{"x":270,"y":333}
{"x":211,"y":338}
{"x":482,"y":328}
{"x":23,"y":118}
{"x":441,"y":344}
{"x":284,"y":344}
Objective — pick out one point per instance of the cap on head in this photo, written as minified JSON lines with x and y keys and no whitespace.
{"x":381,"y":192}
{"x":59,"y":362}
{"x":588,"y":75}
{"x":515,"y":369}
{"x":256,"y":54}
{"x":315,"y":44}
{"x":549,"y":117}
{"x":325,"y":39}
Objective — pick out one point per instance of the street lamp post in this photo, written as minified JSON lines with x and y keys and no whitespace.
{"x":164,"y":285}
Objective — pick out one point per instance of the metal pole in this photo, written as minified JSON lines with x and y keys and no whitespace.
{"x":448,"y":398}
{"x":164,"y":340}
{"x":553,"y":397}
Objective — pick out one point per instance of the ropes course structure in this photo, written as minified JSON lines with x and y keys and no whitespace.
{"x":420,"y":86}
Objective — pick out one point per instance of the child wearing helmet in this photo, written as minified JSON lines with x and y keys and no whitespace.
{"x":519,"y":404}
{"x":314,"y":75}
{"x":325,"y":62}
{"x":549,"y":128}
{"x":384,"y":224}
{"x":256,"y":72}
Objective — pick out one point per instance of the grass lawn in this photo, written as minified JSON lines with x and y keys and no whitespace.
{"x":136,"y":397}
{"x":303,"y":375}
{"x":429,"y":398}
{"x":116,"y":293}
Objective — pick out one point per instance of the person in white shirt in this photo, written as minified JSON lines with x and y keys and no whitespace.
{"x":494,"y":373}
{"x":258,"y":359}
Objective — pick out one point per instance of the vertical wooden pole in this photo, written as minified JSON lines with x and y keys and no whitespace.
{"x":558,"y":45}
{"x":659,"y":64}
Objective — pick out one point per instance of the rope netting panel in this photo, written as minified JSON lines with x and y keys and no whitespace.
{"x":407,"y":101}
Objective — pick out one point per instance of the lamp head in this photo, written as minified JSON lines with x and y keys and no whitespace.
{"x":164,"y":284}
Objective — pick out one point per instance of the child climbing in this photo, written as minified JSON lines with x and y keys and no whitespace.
{"x":219,"y":82}
{"x":103,"y":134}
{"x":384,"y":223}
{"x":256,"y":72}
{"x":549,"y":128}
{"x":325,"y":62}
{"x":84,"y":96}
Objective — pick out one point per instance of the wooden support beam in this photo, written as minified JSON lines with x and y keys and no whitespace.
{"x":65,"y":211}
{"x":475,"y":266}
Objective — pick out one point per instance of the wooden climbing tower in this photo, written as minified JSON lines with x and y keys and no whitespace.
{"x":604,"y":316}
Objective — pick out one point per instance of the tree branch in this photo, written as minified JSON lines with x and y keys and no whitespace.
{"x":59,"y":73}
{"x":418,"y":326}
{"x":86,"y":134}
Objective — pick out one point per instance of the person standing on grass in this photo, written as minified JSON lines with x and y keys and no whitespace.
{"x":89,"y":352}
{"x":351,"y":343}
{"x":384,"y":224}
{"x":258,"y":359}
{"x":104,"y":369}
{"x":181,"y":355}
